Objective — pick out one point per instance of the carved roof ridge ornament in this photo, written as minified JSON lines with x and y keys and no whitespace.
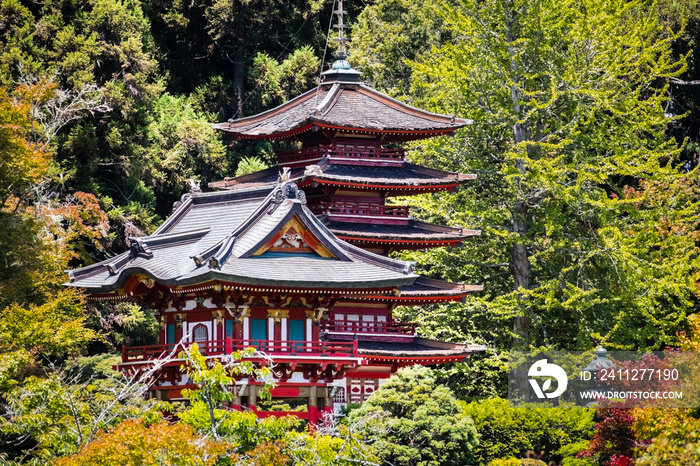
{"x":137,"y":247}
{"x":285,"y":190}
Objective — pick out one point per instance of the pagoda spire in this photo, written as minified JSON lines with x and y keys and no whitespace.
{"x":341,"y":53}
{"x":341,"y":70}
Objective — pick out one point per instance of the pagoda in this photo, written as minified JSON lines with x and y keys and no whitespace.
{"x":293,"y":260}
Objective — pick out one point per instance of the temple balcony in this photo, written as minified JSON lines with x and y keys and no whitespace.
{"x":275,"y":348}
{"x":378,"y":332}
{"x":345,"y":155}
{"x":356,"y":212}
{"x":375,"y":328}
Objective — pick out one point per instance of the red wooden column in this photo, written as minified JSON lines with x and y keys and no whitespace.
{"x":276,"y":334}
{"x":163,"y":336}
{"x":180,"y":322}
{"x":327,"y":404}
{"x":218,"y":320}
{"x":241,"y":313}
{"x":313,"y":407}
{"x":315,"y":317}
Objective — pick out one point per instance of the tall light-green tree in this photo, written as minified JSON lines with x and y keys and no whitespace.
{"x":589,"y":228}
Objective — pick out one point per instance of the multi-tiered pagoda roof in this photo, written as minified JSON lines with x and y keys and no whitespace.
{"x":342,"y":106}
{"x":345,"y":129}
{"x":293,"y":259}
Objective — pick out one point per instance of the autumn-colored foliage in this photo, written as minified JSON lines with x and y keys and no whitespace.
{"x":133,"y":443}
{"x":614,"y":439}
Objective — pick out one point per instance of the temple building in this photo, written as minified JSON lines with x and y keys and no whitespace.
{"x":293,"y":260}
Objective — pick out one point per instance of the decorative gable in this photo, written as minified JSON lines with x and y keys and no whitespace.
{"x":294,"y":237}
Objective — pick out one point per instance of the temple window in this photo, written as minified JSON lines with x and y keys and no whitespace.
{"x":200,"y":333}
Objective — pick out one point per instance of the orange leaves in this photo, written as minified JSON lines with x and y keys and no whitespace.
{"x":77,"y":223}
{"x":133,"y":443}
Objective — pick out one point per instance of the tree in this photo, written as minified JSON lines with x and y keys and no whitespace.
{"x":276,"y":82}
{"x":676,"y":444}
{"x":21,"y":163}
{"x":614,"y":439}
{"x":389,"y":33}
{"x":506,"y":431}
{"x":573,"y":158}
{"x":136,"y":443}
{"x":60,"y":410}
{"x":214,"y":380}
{"x":181,"y":145}
{"x":417,"y":422}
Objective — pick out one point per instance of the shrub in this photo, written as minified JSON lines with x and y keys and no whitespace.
{"x":505,"y":462}
{"x":506,"y":431}
{"x":413,"y":421}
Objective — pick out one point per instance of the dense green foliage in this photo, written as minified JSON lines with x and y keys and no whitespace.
{"x":580,"y":199}
{"x":507,"y":432}
{"x":417,"y":422}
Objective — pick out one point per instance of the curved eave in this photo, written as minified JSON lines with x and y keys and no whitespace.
{"x":457,"y":294}
{"x":426,"y":360}
{"x":214,"y":279}
{"x":395,"y":241}
{"x":215,"y":275}
{"x":115,"y":296}
{"x":406,"y":301}
{"x":229,"y":286}
{"x":205,"y":279}
{"x":381,"y":186}
{"x":316,"y":126}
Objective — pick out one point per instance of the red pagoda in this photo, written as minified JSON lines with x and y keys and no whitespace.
{"x":294,"y":263}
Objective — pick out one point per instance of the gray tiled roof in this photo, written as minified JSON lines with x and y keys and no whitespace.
{"x":407,"y":174}
{"x":414,"y":231}
{"x":404,"y":175}
{"x":341,"y":104}
{"x":222,"y":229}
{"x":427,"y":287}
{"x":416,"y":347}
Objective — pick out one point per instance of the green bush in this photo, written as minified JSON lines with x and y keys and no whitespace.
{"x":506,"y":432}
{"x":505,"y":462}
{"x":412,"y":421}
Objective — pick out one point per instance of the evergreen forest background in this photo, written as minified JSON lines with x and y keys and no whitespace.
{"x":586,"y":142}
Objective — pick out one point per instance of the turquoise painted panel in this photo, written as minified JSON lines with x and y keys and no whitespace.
{"x":258,"y":329}
{"x":171,"y":333}
{"x":296,"y":330}
{"x":296,"y":333}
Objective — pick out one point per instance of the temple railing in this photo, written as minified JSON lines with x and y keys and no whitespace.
{"x":346,"y":155}
{"x":360,"y":212}
{"x":371,"y":327}
{"x":229,"y":345}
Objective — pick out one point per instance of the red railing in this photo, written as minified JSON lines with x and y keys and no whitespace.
{"x":347,"y":155}
{"x":358,"y":212}
{"x":227,"y":346}
{"x":372,"y":327}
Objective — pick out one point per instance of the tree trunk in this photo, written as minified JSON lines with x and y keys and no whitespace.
{"x":239,"y":62}
{"x":520,"y":263}
{"x":239,"y":81}
{"x":521,"y":275}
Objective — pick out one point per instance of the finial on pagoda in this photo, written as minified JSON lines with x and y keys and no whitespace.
{"x":341,"y":53}
{"x":341,"y":69}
